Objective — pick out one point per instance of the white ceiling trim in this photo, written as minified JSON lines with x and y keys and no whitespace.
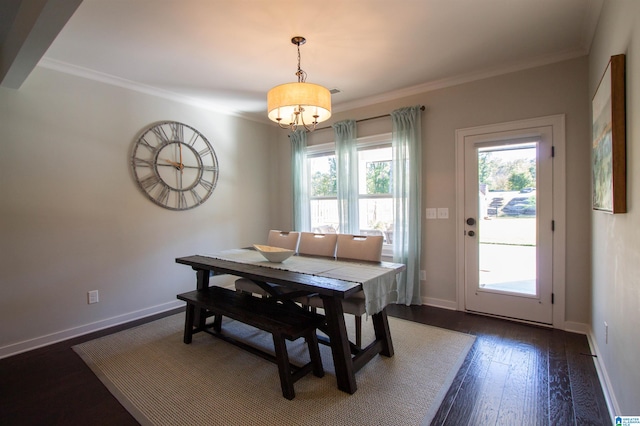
{"x":461,"y":79}
{"x":90,"y":74}
{"x":389,"y":96}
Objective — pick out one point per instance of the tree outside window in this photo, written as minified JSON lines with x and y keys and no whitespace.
{"x":379,"y":177}
{"x":324,"y":177}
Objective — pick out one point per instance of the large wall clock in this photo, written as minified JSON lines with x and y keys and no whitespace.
{"x":174,"y":165}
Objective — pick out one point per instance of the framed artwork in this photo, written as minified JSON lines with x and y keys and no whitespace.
{"x":609,"y":167}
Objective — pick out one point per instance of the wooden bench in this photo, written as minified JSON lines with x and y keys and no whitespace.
{"x":281,"y":320}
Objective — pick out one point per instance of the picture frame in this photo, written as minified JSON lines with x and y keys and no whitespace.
{"x":609,"y":170}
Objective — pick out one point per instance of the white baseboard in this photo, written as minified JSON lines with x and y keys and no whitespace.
{"x":38,"y":342}
{"x":603,"y":377}
{"x":577,"y":327}
{"x":605,"y":383}
{"x":440,"y":303}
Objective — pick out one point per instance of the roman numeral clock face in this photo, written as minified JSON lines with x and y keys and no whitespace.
{"x":175,"y":165}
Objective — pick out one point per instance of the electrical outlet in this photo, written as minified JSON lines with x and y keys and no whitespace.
{"x":443,"y":213}
{"x":431,"y":213}
{"x":93,"y":297}
{"x":423,"y":275}
{"x":606,"y":333}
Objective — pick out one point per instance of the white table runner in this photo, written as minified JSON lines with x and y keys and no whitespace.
{"x":378,"y":281}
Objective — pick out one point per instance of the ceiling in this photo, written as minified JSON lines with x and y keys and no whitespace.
{"x":226,"y":55}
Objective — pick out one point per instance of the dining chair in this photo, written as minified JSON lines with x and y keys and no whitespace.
{"x":281,"y":239}
{"x":315,"y":244}
{"x":354,"y":247}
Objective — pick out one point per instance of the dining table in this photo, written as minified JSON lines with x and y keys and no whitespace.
{"x":334,"y":280}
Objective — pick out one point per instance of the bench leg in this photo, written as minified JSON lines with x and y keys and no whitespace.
{"x":314,"y":353}
{"x":217,"y":323}
{"x":188,"y":323}
{"x":284,"y":368}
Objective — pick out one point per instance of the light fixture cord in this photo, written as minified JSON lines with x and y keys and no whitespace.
{"x":302,"y":76}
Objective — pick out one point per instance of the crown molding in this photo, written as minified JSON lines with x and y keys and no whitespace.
{"x":340,"y":107}
{"x":460,"y":79}
{"x":90,"y":74}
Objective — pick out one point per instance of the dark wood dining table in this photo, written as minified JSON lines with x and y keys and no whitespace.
{"x":347,"y":358}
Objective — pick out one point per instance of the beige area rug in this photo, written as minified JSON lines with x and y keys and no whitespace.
{"x":162,"y":381}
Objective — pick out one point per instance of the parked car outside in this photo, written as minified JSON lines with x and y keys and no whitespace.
{"x":518,"y":206}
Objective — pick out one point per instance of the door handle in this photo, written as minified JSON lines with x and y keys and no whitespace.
{"x":471,"y":233}
{"x":471,"y":221}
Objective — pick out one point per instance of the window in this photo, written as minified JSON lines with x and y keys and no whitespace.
{"x":374,"y":179}
{"x":376,"y":199}
{"x":323,"y":193}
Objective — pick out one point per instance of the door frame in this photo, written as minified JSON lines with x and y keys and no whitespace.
{"x":557,"y":123}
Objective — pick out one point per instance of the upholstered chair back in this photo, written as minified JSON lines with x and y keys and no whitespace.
{"x":317,"y":244}
{"x":283,"y":239}
{"x":359,"y":247}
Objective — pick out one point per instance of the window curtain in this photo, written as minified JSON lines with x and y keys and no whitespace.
{"x":347,"y":176}
{"x":301,"y":212}
{"x":406,"y":169}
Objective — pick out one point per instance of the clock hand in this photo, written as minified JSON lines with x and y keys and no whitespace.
{"x":181,"y":167}
{"x":178,"y":166}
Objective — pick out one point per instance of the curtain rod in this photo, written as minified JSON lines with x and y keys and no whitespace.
{"x":422,"y":108}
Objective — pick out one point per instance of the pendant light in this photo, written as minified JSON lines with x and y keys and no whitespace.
{"x":292,"y":105}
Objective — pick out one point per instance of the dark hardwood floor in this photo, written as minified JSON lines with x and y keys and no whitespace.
{"x":515,"y":374}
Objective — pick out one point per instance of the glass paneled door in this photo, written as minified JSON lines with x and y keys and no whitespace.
{"x":508,"y":224}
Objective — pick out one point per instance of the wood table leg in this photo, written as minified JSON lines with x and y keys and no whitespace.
{"x":383,"y":334}
{"x":340,"y":348}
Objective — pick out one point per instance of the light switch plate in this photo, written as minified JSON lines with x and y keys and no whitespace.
{"x":443,"y":213}
{"x":431,"y":213}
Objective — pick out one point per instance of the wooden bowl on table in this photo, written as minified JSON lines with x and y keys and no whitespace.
{"x":274,"y":254}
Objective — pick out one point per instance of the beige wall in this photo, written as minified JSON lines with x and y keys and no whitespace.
{"x":73,"y":220}
{"x":554,"y":89}
{"x":616,"y":238}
